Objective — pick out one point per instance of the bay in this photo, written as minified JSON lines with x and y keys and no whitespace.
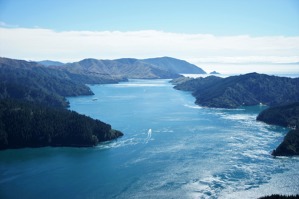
{"x":171,"y":149}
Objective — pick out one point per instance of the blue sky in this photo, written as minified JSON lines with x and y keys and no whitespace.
{"x":218,"y":17}
{"x":204,"y":32}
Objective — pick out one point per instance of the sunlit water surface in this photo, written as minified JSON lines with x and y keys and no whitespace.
{"x":171,"y":149}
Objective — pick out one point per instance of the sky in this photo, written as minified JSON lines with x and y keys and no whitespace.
{"x":209,"y":33}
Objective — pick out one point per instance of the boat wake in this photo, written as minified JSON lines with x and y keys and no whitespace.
{"x":149,"y":135}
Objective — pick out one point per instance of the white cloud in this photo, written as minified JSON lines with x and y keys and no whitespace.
{"x":39,"y":44}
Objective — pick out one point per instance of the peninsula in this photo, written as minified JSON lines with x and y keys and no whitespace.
{"x":286,"y":116}
{"x":33,"y":108}
{"x":242,"y":90}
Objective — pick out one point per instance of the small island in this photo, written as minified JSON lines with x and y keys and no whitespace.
{"x":214,"y":73}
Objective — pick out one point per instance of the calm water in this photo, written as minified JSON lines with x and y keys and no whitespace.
{"x":171,"y":149}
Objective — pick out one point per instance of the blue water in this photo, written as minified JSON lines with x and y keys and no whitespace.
{"x":171,"y":149}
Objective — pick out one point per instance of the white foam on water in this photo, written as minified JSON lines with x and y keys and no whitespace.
{"x":168,"y":149}
{"x":193,"y":106}
{"x":241,"y":117}
{"x":164,"y":130}
{"x":118,"y":143}
{"x":249,"y":166}
{"x":282,"y":183}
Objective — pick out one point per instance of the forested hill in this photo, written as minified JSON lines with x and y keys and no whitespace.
{"x":287,"y":116}
{"x":29,"y":125}
{"x":242,"y":90}
{"x":32,"y":98}
{"x":32,"y":82}
{"x":155,"y":68}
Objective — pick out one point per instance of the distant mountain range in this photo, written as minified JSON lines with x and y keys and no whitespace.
{"x":154,"y":68}
{"x":242,"y":90}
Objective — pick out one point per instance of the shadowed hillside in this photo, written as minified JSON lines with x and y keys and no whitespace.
{"x":276,"y":196}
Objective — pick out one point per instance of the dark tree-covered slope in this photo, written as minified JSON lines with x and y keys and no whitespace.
{"x":276,"y":196}
{"x":244,"y":90}
{"x":175,"y":65}
{"x":289,"y":145}
{"x":287,"y":116}
{"x":32,"y":82}
{"x":28,"y":125}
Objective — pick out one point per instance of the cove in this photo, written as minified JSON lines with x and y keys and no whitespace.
{"x":171,"y":149}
